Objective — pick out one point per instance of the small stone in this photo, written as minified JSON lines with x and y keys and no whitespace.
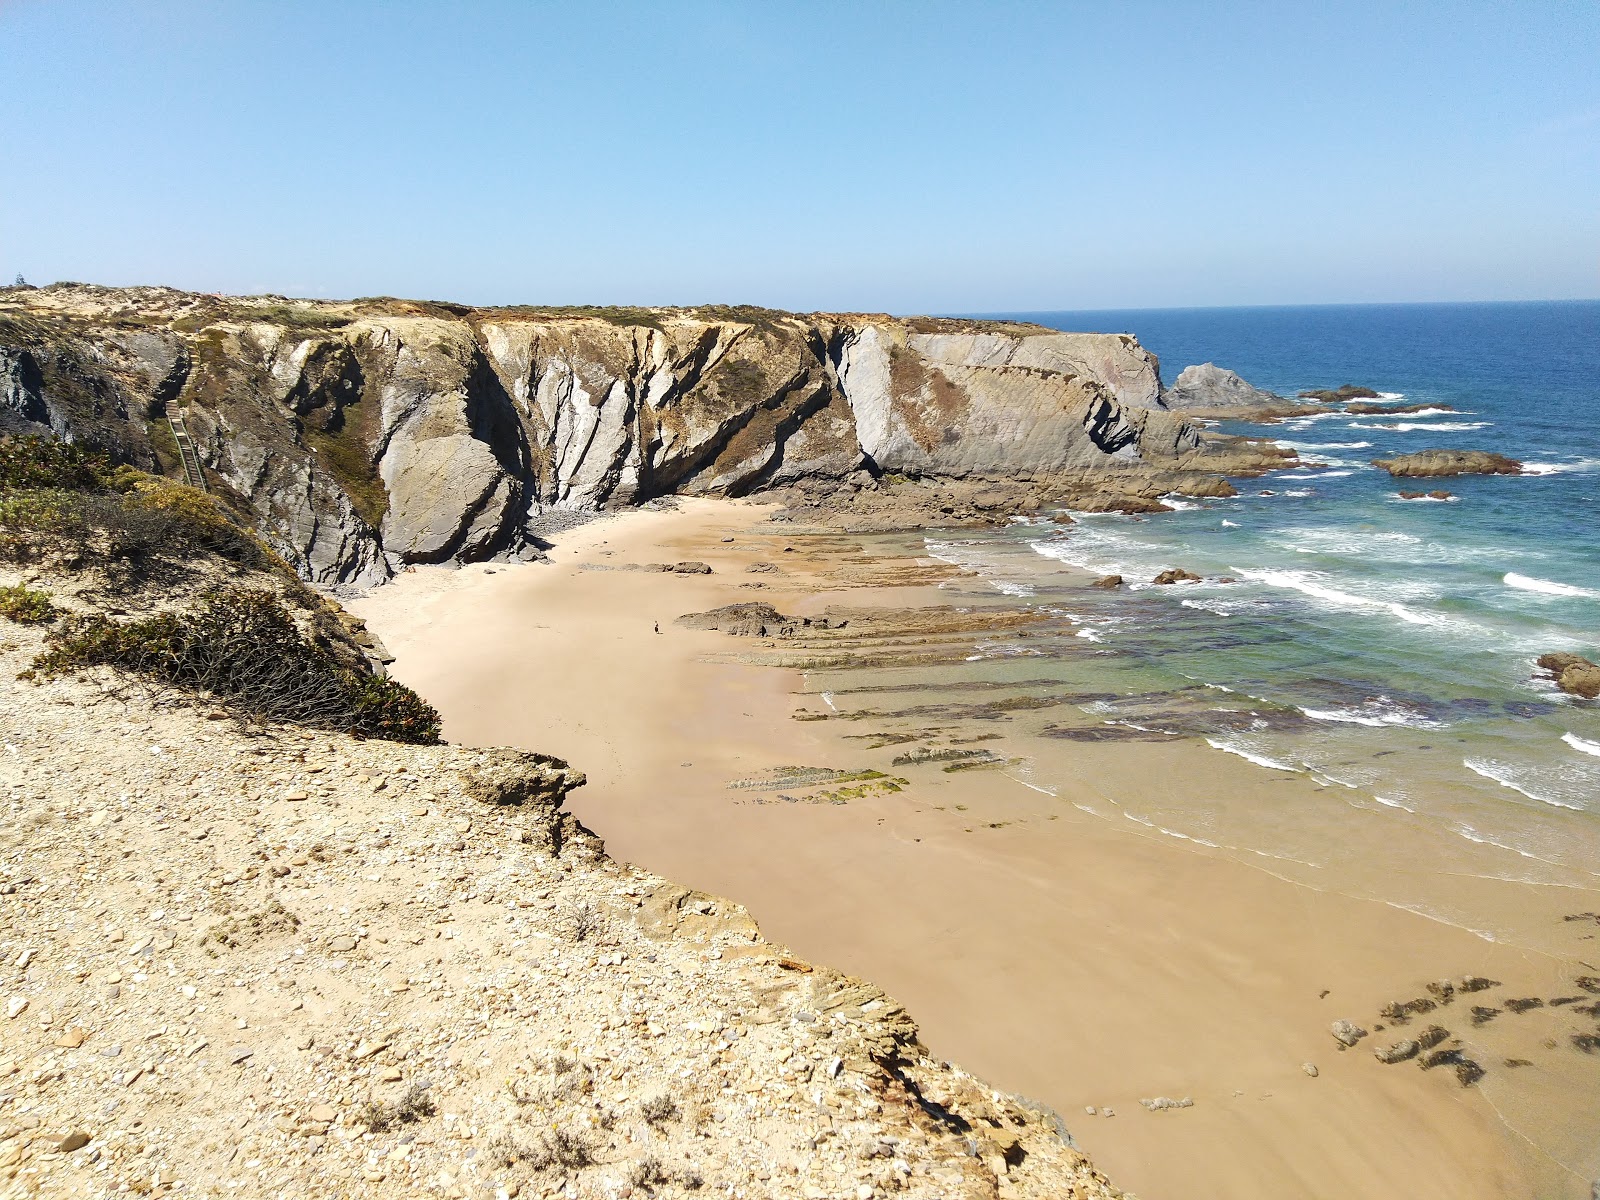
{"x":1091,"y":1110}
{"x":1347,"y":1033}
{"x":342,"y":944}
{"x":71,"y":1039}
{"x":1398,"y":1052}
{"x":15,"y":1007}
{"x":322,"y":1113}
{"x":1162,"y":1103}
{"x":295,"y":796}
{"x":239,"y":1053}
{"x":1310,"y":1069}
{"x":73,"y":1141}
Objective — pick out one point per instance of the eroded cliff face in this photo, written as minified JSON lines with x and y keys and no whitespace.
{"x":373,"y":433}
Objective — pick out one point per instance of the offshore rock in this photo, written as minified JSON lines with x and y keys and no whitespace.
{"x":1429,"y":463}
{"x":1573,"y":674}
{"x":1210,"y":386}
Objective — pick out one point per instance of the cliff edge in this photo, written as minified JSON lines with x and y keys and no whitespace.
{"x":373,"y":433}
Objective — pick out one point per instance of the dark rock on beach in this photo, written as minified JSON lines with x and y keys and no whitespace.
{"x":1108,"y":581}
{"x":1176,"y":575}
{"x":1429,"y":463}
{"x":1436,"y":494}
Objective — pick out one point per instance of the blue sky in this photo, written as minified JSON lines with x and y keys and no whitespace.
{"x":908,"y":157}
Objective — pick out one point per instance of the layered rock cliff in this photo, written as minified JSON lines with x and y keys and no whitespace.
{"x":372,"y":433}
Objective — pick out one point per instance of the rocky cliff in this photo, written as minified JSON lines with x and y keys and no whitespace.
{"x":372,"y":433}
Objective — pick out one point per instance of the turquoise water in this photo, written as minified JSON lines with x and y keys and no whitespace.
{"x":1379,"y":643}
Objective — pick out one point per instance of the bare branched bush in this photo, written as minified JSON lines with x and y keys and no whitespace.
{"x":412,"y":1106}
{"x":241,"y":646}
{"x":583,"y":921}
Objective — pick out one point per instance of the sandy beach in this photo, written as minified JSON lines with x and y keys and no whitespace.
{"x":1076,"y":962}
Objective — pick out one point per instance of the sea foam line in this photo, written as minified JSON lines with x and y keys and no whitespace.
{"x":1260,"y":760}
{"x":1429,"y":426}
{"x":1528,"y":583}
{"x":1582,"y":464}
{"x":1486,"y":769}
{"x":1295,"y":581}
{"x":1581,"y":744}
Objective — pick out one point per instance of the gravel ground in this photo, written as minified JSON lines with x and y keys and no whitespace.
{"x":243,"y":961}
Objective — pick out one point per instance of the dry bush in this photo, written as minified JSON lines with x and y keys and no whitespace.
{"x":241,"y":646}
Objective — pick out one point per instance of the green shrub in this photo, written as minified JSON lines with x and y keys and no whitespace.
{"x":41,"y":462}
{"x":152,"y":517}
{"x":241,"y":645}
{"x":26,"y":607}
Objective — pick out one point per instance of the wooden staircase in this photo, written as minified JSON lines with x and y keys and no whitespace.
{"x":192,"y":475}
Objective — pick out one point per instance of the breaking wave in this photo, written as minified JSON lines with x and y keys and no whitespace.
{"x":1548,"y":587}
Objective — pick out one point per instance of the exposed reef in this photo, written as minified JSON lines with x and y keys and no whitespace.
{"x":1427,"y":464}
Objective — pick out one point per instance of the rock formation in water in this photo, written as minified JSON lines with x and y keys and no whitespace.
{"x":1341,"y":394}
{"x":1211,"y":386}
{"x":373,"y":433}
{"x":1573,"y":674}
{"x":1426,"y":464}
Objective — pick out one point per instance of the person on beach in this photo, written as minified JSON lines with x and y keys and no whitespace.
{"x":658,"y":626}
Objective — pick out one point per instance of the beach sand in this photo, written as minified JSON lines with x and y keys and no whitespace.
{"x":1060,"y":956}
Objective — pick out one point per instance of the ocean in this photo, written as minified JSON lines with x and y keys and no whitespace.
{"x":1381,"y":646}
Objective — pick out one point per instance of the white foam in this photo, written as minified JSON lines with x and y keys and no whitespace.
{"x":1172,"y":833}
{"x":1036,"y":787}
{"x":1547,"y":587}
{"x":1260,"y":760}
{"x":1089,"y":635}
{"x":951,"y":552}
{"x":1580,"y":744}
{"x":1226,"y":524}
{"x":1307,"y":583}
{"x":1472,"y":835}
{"x":1326,"y":445}
{"x":1582,"y":464}
{"x":1430,"y":426}
{"x":1378,"y":713}
{"x":827,"y":698}
{"x":1501,"y":773}
{"x":1388,"y":803}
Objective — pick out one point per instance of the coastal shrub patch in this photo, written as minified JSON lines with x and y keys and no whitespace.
{"x":127,"y":520}
{"x":241,"y":645}
{"x":41,"y":462}
{"x":25,"y":606}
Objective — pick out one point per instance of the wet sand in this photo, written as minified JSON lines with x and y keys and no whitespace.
{"x":1056,"y":954}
